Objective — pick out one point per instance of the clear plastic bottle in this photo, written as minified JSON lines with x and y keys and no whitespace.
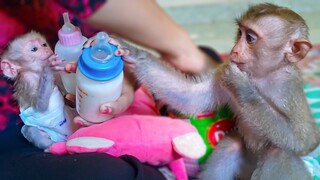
{"x":69,"y":47}
{"x":99,"y":79}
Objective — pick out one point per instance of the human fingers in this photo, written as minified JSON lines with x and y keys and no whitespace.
{"x":70,"y":100}
{"x":81,"y":122}
{"x":121,"y":104}
{"x":71,"y":67}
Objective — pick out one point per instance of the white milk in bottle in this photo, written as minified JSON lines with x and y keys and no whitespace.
{"x":69,"y":47}
{"x":99,"y":79}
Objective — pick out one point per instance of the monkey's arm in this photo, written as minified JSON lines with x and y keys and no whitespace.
{"x":34,"y":89}
{"x":185,"y":93}
{"x":286,"y":122}
{"x":45,"y":88}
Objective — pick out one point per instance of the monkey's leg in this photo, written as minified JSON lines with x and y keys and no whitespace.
{"x":225,"y":161}
{"x":36,"y":136}
{"x":278,"y":164}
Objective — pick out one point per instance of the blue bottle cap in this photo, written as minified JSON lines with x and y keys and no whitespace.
{"x":98,"y":62}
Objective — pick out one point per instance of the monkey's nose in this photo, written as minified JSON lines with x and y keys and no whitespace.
{"x":234,"y":57}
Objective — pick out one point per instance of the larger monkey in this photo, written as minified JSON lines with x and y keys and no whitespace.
{"x":262,"y":85}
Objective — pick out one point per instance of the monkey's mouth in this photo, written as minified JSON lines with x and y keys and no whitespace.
{"x":46,"y":57}
{"x":240,"y":65}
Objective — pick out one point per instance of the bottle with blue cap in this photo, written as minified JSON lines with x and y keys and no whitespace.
{"x":69,"y":48}
{"x":99,"y":79}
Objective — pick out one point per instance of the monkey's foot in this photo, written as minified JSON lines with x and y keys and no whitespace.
{"x":189,"y":145}
{"x":36,"y":136}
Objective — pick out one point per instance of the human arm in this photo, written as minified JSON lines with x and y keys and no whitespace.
{"x":145,"y":23}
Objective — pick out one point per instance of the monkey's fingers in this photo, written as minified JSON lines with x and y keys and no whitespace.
{"x":89,"y":42}
{"x":114,"y":42}
{"x":120,"y":105}
{"x":57,"y":65}
{"x":53,"y":57}
{"x":125,"y":55}
{"x":57,"y":68}
{"x":71,"y":67}
{"x":122,"y":52}
{"x":234,"y":67}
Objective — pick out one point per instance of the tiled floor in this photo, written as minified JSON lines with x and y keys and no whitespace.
{"x":211,"y":22}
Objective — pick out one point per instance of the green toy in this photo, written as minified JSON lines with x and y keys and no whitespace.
{"x":312,"y":93}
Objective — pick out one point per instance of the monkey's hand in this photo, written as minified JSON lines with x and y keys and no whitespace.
{"x":56,"y":63}
{"x":130,"y":54}
{"x":234,"y":80}
{"x":124,"y":49}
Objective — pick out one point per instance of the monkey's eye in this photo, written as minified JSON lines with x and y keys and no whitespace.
{"x":251,"y":38}
{"x":34,"y":49}
{"x":44,"y":44}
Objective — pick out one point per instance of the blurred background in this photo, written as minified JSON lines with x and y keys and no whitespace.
{"x":211,"y":22}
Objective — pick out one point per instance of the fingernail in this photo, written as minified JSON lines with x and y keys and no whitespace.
{"x":107,"y":110}
{"x":67,"y":68}
{"x":79,"y":123}
{"x":70,"y":68}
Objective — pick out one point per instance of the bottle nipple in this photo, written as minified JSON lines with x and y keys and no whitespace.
{"x":67,"y":26}
{"x":101,"y":51}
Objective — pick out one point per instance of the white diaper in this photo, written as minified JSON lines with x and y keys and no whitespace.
{"x":52,"y":120}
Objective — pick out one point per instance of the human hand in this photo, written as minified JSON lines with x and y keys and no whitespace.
{"x":190,"y":62}
{"x":72,"y":66}
{"x":111,"y":108}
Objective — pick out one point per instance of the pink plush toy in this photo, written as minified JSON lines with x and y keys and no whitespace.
{"x":143,"y":134}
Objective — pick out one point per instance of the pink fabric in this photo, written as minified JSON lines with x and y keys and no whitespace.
{"x":139,"y":132}
{"x":9,"y":28}
{"x":148,"y":138}
{"x":178,"y":167}
{"x":81,"y":8}
{"x":70,"y":39}
{"x":143,"y":104}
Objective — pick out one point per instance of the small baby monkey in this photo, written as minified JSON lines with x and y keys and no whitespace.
{"x":27,"y":61}
{"x":261,"y":84}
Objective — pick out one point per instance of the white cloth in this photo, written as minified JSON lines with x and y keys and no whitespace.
{"x":52,"y":120}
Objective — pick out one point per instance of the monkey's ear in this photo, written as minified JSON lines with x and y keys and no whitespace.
{"x":299,"y":50}
{"x":9,"y":69}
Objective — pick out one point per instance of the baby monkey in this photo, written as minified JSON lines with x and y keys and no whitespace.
{"x":261,"y":84}
{"x":27,"y":61}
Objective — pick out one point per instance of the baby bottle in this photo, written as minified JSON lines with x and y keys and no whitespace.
{"x":99,"y":79}
{"x":69,"y":47}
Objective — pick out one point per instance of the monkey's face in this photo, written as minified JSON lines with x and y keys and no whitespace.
{"x":38,"y":51}
{"x":259,"y":46}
